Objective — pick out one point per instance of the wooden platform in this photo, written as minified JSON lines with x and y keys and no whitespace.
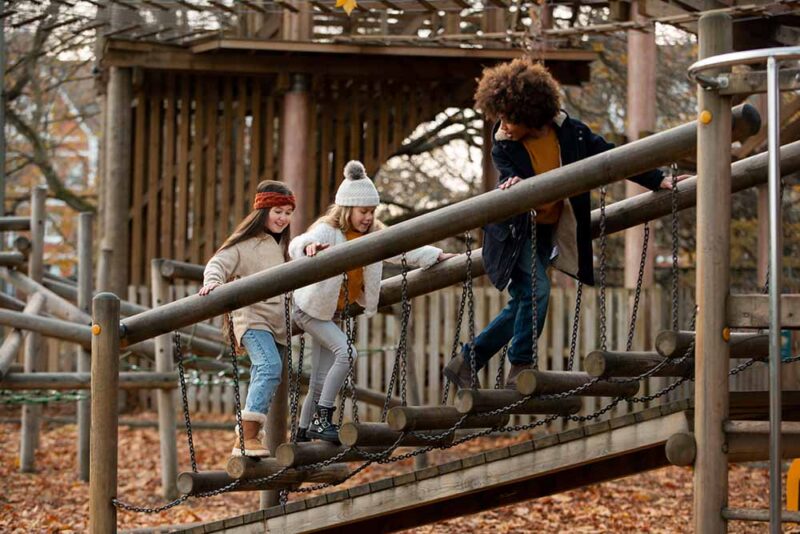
{"x":548,"y":464}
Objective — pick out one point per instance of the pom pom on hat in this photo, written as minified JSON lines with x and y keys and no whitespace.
{"x":357,"y":189}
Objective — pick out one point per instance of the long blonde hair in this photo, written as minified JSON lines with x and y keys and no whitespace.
{"x":338,"y":217}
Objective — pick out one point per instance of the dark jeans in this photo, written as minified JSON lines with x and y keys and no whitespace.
{"x":515,"y":321}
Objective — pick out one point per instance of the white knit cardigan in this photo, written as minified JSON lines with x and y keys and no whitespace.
{"x":319,"y":300}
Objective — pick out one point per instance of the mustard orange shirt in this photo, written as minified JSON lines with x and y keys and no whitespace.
{"x":355,"y":278}
{"x":545,"y":154}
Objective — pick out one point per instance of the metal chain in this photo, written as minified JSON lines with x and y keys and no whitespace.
{"x":638,"y":292}
{"x":576,"y":321}
{"x":187,"y":420}
{"x":534,"y":311}
{"x":349,"y":388}
{"x":498,"y":380}
{"x":401,"y":353}
{"x":457,"y":335}
{"x":603,"y":268}
{"x":294,"y":377}
{"x":473,"y":365}
{"x":673,"y":170}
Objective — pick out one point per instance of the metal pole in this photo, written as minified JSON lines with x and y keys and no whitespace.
{"x":166,"y":398}
{"x":776,"y":268}
{"x":104,"y":399}
{"x":84,"y":411}
{"x":713,"y":265}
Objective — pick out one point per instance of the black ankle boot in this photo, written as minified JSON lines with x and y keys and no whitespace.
{"x":301,"y":435}
{"x":321,"y":426}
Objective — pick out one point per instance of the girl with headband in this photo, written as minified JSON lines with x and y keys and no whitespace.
{"x":258,"y":243}
{"x":319,"y":307}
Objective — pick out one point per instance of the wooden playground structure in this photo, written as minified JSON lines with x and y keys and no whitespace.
{"x":191,"y":144}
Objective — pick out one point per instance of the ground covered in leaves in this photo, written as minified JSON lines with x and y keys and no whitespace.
{"x":52,"y":500}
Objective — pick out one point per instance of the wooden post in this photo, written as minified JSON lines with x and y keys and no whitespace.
{"x":31,"y":413}
{"x":118,"y":130}
{"x":85,"y":292}
{"x":277,"y":423}
{"x":713,"y":263}
{"x":103,"y":447}
{"x":294,"y":158}
{"x":165,"y":398}
{"x":641,"y":119}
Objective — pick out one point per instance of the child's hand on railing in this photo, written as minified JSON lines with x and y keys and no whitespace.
{"x":313,"y":248}
{"x":445,"y":255}
{"x":666,"y":183}
{"x":208,"y":288}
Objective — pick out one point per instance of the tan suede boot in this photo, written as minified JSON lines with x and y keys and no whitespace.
{"x":253,"y":437}
{"x":516,"y":369}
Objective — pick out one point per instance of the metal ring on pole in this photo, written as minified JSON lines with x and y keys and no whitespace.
{"x":747,"y":57}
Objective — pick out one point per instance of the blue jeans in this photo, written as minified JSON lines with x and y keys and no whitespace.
{"x":265,"y":369}
{"x":515,"y":321}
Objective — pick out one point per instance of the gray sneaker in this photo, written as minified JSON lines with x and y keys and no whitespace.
{"x":459,"y":373}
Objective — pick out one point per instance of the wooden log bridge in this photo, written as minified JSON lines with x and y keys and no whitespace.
{"x":747,"y":441}
{"x":672,"y":344}
{"x":66,"y":381}
{"x":486,"y":400}
{"x":298,"y":454}
{"x":630,"y":364}
{"x":407,"y":418}
{"x":197,"y":483}
{"x":569,"y":180}
{"x":380,"y":435}
{"x":533,"y":382}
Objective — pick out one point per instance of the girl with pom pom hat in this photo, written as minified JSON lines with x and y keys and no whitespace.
{"x":319,"y":307}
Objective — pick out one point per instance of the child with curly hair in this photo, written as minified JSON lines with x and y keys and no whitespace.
{"x":532,"y":135}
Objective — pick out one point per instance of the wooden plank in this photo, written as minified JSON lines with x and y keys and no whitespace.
{"x":168,"y":173}
{"x":558,"y":319}
{"x":255,"y":139}
{"x":225,"y":227}
{"x":375,"y":359}
{"x":369,"y":134}
{"x":589,"y":328}
{"x":137,"y":250}
{"x":356,"y":131}
{"x":486,"y":485}
{"x":362,"y":371}
{"x":197,"y":170}
{"x":154,"y":147}
{"x":398,"y":130}
{"x":240,"y":203}
{"x":390,"y":354}
{"x":184,"y":143}
{"x":210,"y":175}
{"x":311,"y":209}
{"x":494,"y":307}
{"x":383,"y":127}
{"x":326,"y":132}
{"x":269,"y":139}
{"x":752,"y":311}
{"x":339,"y":154}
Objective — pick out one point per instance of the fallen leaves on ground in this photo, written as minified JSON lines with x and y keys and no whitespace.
{"x":53,"y":500}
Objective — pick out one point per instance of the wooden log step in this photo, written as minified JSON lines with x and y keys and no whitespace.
{"x":297,"y":454}
{"x":486,"y":400}
{"x":533,"y":382}
{"x":405,"y":418}
{"x":189,"y":483}
{"x":743,"y":345}
{"x":747,"y":441}
{"x":63,"y":381}
{"x":11,"y":259}
{"x":380,"y":435}
{"x":628,"y":364}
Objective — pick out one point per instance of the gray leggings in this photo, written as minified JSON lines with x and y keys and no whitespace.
{"x":329,"y":363}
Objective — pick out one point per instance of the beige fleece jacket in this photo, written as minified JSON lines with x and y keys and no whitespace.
{"x":243,"y":259}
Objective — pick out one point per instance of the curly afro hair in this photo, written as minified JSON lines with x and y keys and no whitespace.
{"x":520,"y":91}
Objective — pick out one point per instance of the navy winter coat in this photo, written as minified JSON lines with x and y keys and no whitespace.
{"x":504,"y":240}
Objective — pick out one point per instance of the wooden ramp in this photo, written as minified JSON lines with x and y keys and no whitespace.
{"x":543,"y":466}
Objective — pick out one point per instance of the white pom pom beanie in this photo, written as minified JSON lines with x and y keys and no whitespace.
{"x":357,"y":189}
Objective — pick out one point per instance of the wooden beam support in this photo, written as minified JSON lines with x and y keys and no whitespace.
{"x":534,"y":382}
{"x":200,"y":483}
{"x":485,"y":400}
{"x":312,"y":452}
{"x":15,"y":224}
{"x":408,"y":418}
{"x":631,"y":364}
{"x":66,"y":381}
{"x":379,"y":434}
{"x":567,"y":181}
{"x":750,"y":82}
{"x":746,"y":441}
{"x":672,"y":344}
{"x":13,"y":340}
{"x":752,"y":311}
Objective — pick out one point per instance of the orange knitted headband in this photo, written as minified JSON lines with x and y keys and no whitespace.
{"x":270,"y":200}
